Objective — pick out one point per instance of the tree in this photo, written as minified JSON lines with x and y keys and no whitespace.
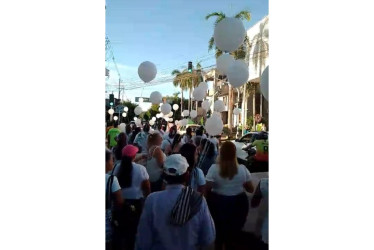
{"x":185,"y":80}
{"x":261,"y":50}
{"x":240,"y":53}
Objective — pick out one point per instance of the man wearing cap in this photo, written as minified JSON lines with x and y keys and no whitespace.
{"x":178,"y":217}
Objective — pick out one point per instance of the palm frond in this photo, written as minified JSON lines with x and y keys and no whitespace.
{"x":219,"y":19}
{"x":175,"y":72}
{"x":218,"y":52}
{"x":211,"y":44}
{"x":217,"y":14}
{"x":244,"y":15}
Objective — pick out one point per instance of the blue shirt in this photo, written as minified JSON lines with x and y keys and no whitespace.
{"x":141,"y":140}
{"x":156,"y":233}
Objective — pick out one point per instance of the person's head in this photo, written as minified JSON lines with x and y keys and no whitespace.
{"x":128,"y":129}
{"x":115,"y":125}
{"x":189,"y":152}
{"x":227,"y":161}
{"x":172,"y":131}
{"x":197,"y":140}
{"x":146,"y":127}
{"x":207,"y":147}
{"x":175,"y":169}
{"x":189,"y":131}
{"x":176,"y":141}
{"x":201,"y":129}
{"x":154,"y":139}
{"x":262,"y":136}
{"x":199,"y":132}
{"x":121,"y":143}
{"x":108,"y":160}
{"x":125,"y":172}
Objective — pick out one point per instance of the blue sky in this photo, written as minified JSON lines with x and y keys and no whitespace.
{"x":168,"y":33}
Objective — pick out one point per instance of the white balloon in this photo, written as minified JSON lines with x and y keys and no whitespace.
{"x":238,"y":73}
{"x":147,"y":71}
{"x":183,"y":122}
{"x":214,"y":125}
{"x":138,"y":110}
{"x":138,"y":122}
{"x":166,"y":119}
{"x":199,"y":94}
{"x":236,"y":111}
{"x":154,"y":118}
{"x":175,"y":107}
{"x":126,"y":109}
{"x":229,"y":34}
{"x":122,"y":127}
{"x":115,"y":118}
{"x":135,"y":118}
{"x":111,"y":111}
{"x":193,"y":113}
{"x":206,"y":105}
{"x":170,"y":119}
{"x":155,"y":97}
{"x":158,"y":115}
{"x":170,"y":114}
{"x":141,"y":100}
{"x":219,"y":106}
{"x":124,"y":114}
{"x":151,"y":122}
{"x":217,"y":114}
{"x":204,"y":85}
{"x":165,"y":108}
{"x":264,"y":84}
{"x":223,"y":63}
{"x":185,"y":113}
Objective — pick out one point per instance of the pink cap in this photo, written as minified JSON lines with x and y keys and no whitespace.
{"x":129,"y":151}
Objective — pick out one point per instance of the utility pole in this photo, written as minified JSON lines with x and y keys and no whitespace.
{"x":119,"y":89}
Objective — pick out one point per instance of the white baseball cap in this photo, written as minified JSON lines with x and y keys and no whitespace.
{"x":175,"y":165}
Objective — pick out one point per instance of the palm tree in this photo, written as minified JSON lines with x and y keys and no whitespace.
{"x":185,"y":80}
{"x":261,"y":50}
{"x":240,"y":53}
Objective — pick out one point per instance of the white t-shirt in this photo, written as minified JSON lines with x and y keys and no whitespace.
{"x":215,"y":142}
{"x":115,"y":184}
{"x":166,"y":142}
{"x":197,"y":180}
{"x":224,"y":186}
{"x":139,"y":174}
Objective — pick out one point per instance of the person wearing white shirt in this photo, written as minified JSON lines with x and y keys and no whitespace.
{"x":225,"y":189}
{"x":169,"y":137}
{"x":113,"y":199}
{"x":196,"y":175}
{"x":134,"y":180}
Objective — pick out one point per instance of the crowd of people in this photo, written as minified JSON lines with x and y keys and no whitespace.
{"x":165,"y":190}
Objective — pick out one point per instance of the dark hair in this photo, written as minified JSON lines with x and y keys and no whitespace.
{"x":108,"y":155}
{"x":138,"y":146}
{"x":189,"y":132}
{"x":172,"y":131}
{"x":188,"y":152}
{"x":209,"y":151}
{"x":115,"y":125}
{"x":197,"y":140}
{"x":199,"y":132}
{"x":146,"y":127}
{"x":121,"y":143}
{"x":136,"y":131}
{"x":124,"y":175}
{"x":177,"y":139}
{"x":128,"y":129}
{"x":180,"y":179}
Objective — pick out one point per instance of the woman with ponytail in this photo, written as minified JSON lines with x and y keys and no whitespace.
{"x":134,"y":181}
